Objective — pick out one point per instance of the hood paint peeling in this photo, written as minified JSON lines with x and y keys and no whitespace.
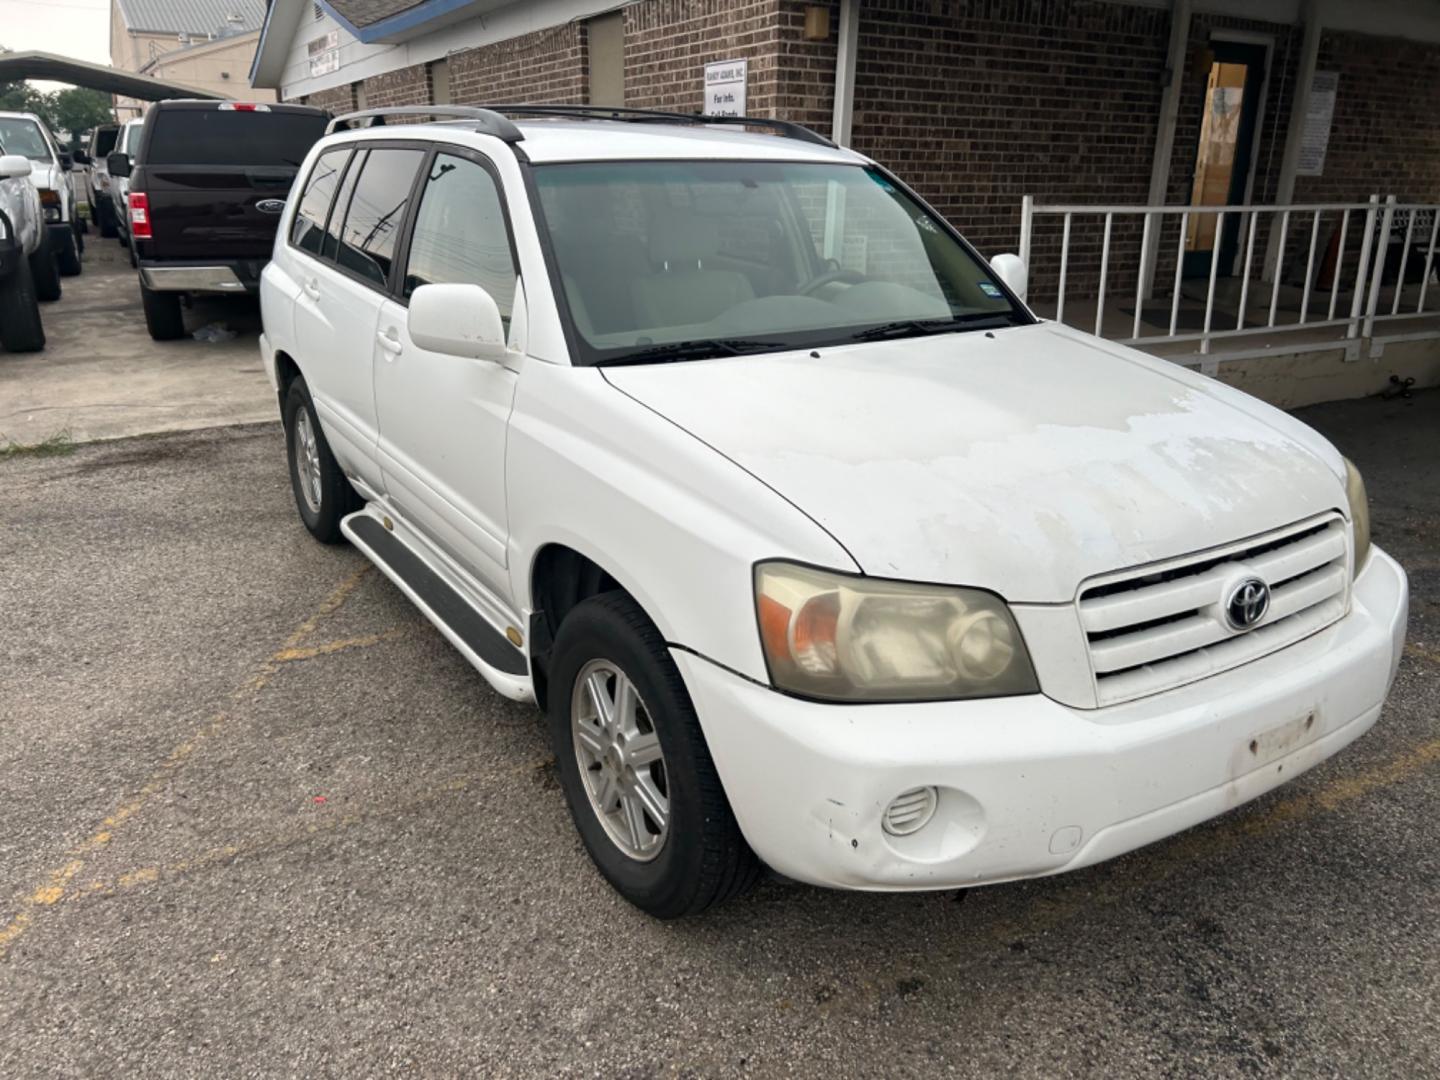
{"x":1024,"y":462}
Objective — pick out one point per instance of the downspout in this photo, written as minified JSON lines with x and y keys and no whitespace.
{"x":1165,"y":132}
{"x":843,"y":115}
{"x":1290,"y":161}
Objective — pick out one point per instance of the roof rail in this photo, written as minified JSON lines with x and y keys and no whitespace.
{"x":787,"y":128}
{"x":487,"y":121}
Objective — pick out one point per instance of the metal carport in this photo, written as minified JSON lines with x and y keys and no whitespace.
{"x":15,"y":67}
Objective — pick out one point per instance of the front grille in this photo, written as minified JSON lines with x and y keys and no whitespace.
{"x":1161,"y":627}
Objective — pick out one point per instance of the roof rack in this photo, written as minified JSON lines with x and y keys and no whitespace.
{"x":494,"y":119}
{"x":787,"y":128}
{"x":487,"y":121}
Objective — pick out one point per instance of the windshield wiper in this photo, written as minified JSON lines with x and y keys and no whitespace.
{"x":977,"y":320}
{"x":702,"y":349}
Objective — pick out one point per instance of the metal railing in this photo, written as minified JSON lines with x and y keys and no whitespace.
{"x":1378,"y":224}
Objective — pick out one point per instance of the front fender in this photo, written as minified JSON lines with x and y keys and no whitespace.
{"x":673,"y":521}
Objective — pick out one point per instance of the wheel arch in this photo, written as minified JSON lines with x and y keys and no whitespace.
{"x":561,"y":576}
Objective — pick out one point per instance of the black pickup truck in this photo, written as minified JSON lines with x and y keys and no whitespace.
{"x":206,"y":192}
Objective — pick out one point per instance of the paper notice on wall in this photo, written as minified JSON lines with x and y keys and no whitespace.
{"x":324,"y":54}
{"x":725,"y":88}
{"x":1319,"y":112}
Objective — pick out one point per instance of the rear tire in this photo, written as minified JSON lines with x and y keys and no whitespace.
{"x":697,"y":857}
{"x":163,"y":315}
{"x":20,"y":326}
{"x":322,"y":493}
{"x":67,"y":255}
{"x":44,"y":272}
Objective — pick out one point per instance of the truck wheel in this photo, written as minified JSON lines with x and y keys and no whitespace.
{"x":43,"y":271}
{"x":105,"y":218}
{"x":322,"y":493}
{"x":635,"y":768}
{"x":79,"y":226}
{"x":67,"y":254}
{"x":163,"y":317}
{"x":20,"y":327}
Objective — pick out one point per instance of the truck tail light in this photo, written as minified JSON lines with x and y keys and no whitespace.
{"x":139,"y":216}
{"x":242,"y":106}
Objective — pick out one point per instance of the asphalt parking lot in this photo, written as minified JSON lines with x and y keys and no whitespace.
{"x":257,"y":817}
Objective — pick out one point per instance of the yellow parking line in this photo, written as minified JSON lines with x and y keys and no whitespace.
{"x":1202,"y":844}
{"x":58,"y":881}
{"x":288,"y":656}
{"x":1433,"y":655}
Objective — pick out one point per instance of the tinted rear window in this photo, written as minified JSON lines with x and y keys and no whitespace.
{"x":215,"y":137}
{"x":105,"y":141}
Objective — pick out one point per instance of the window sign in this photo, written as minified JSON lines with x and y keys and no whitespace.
{"x":324,"y":54}
{"x":725,"y":88}
{"x":1319,"y":112}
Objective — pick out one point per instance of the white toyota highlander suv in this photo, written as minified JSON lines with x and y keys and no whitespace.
{"x":818,"y":548}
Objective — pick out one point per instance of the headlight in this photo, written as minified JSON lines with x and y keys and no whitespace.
{"x":1359,"y":512}
{"x":842,"y":637}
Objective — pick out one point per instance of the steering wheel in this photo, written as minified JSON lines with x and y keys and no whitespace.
{"x":829,"y":277}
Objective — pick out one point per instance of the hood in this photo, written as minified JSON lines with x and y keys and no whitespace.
{"x":44,"y":176}
{"x":1023,"y":462}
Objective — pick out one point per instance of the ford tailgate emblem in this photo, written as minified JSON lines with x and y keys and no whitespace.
{"x":270,"y":206}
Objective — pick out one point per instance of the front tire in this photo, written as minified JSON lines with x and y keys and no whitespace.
{"x":20,"y":326}
{"x":67,"y":255}
{"x":105,"y":219}
{"x":633,"y":763}
{"x":322,"y":493}
{"x":163,"y":316}
{"x":44,"y":272}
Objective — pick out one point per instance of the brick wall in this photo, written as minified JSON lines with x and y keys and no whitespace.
{"x":545,"y":66}
{"x":1385,"y":137}
{"x":978,"y":104}
{"x":338,"y":99}
{"x":406,"y":86}
{"x":669,"y":42}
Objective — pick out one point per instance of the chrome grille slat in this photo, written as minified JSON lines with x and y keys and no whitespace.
{"x":1163,"y":626}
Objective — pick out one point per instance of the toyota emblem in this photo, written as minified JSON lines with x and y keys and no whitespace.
{"x":1247,"y":603}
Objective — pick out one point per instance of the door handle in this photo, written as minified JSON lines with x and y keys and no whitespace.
{"x":389,"y":341}
{"x":311,"y":289}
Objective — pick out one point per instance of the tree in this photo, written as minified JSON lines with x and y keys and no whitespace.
{"x":77,"y":110}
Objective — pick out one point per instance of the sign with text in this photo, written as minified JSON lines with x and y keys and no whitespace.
{"x":725,"y":88}
{"x":324,"y":54}
{"x":1319,"y":112}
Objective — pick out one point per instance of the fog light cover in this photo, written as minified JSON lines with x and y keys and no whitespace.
{"x":910,"y":811}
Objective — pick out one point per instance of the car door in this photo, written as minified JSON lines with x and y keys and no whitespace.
{"x":343,"y":272}
{"x":443,"y":418}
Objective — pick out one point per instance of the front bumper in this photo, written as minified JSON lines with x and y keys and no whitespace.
{"x":1029,"y":786}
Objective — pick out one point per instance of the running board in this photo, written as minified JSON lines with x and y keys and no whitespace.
{"x":479,"y":641}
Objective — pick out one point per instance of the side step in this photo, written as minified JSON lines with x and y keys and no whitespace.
{"x":505,"y":667}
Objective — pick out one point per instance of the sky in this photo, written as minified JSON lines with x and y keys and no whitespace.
{"x":78,"y":28}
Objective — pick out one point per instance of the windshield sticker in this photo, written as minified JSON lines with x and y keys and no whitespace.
{"x":990,"y":290}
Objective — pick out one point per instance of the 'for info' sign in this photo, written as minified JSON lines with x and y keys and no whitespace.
{"x":725,"y":88}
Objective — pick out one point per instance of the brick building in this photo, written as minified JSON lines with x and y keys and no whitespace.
{"x":976,"y":103}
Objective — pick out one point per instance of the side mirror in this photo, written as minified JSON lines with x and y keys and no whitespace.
{"x":1010,"y":270}
{"x":80,"y":157}
{"x":66,"y":161}
{"x":459,"y":320}
{"x":118,"y":163}
{"x":13,"y":165}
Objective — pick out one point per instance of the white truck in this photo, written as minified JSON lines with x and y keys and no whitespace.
{"x":26,"y":263}
{"x":51,"y":167}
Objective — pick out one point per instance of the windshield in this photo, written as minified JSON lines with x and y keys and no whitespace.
{"x":24,"y":137}
{"x":663,"y":260}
